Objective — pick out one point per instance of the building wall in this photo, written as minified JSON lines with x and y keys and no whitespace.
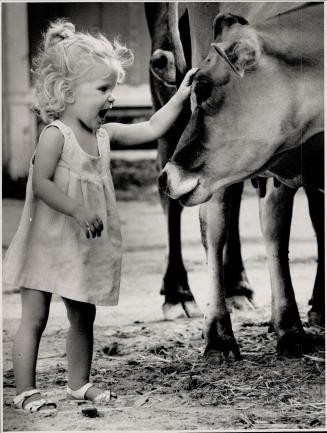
{"x":124,"y":19}
{"x":22,"y":28}
{"x":19,"y":123}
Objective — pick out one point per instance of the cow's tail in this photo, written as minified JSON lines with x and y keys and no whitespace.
{"x":175,"y":41}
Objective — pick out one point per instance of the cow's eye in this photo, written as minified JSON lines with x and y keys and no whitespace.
{"x":202,"y":91}
{"x":210,"y":107}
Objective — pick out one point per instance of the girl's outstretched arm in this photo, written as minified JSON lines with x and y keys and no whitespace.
{"x":46,"y":159}
{"x":158,"y":124}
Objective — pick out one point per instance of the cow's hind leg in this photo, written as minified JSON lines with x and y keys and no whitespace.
{"x":316,"y":200}
{"x":178,"y":299}
{"x":175,"y":288}
{"x":218,"y":332}
{"x":275,"y":216}
{"x":237,"y":288}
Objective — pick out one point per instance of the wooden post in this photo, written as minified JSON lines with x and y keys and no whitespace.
{"x":19,"y":122}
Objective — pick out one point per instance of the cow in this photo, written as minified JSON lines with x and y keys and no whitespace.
{"x":164,"y":80}
{"x":257,"y":110}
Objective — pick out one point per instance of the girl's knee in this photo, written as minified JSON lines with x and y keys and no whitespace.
{"x":35,"y":310}
{"x":81,"y":314}
{"x":35,"y":323}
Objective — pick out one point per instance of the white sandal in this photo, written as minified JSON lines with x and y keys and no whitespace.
{"x":33,"y":406}
{"x":78,"y":395}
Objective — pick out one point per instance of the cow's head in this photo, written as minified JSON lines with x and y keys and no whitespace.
{"x":245,"y":110}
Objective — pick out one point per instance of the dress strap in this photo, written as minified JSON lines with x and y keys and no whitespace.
{"x":104,"y":145}
{"x":103,"y":135}
{"x":65,"y":130}
{"x":62,"y":128}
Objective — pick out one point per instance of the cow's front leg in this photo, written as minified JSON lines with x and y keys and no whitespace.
{"x":316,"y":200}
{"x":275,"y":216}
{"x":218,"y":332}
{"x":237,"y":287}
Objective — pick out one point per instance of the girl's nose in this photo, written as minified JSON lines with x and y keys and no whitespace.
{"x":111,"y":100}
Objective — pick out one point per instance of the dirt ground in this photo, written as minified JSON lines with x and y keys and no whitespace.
{"x":156,"y":366}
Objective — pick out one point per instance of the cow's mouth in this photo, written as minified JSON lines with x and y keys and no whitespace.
{"x":189,"y":190}
{"x":197,"y":196}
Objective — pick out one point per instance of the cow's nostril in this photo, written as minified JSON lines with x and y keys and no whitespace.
{"x":162,"y":181}
{"x":159,"y":62}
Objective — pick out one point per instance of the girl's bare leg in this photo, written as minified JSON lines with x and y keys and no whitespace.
{"x":79,"y":345}
{"x":35,"y":312}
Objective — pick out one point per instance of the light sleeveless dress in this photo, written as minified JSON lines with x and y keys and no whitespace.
{"x":50,"y":251}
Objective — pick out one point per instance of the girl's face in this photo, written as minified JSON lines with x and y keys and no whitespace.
{"x":93,"y":99}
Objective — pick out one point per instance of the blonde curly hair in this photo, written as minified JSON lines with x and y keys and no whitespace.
{"x":65,"y":57}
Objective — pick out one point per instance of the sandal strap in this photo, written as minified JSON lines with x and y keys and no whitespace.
{"x":79,"y":394}
{"x":35,"y":406}
{"x":20,"y":398}
{"x":105,"y":396}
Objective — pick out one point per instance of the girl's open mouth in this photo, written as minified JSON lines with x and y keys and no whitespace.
{"x":103,"y":114}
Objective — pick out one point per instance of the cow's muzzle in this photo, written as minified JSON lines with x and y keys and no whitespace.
{"x":173,"y":181}
{"x":162,"y":66}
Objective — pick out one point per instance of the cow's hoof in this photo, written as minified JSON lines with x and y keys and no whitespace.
{"x":316,"y":319}
{"x":225,"y":349}
{"x":237,"y":285}
{"x":293,"y":344}
{"x":173,"y":311}
{"x":240,"y":296}
{"x":182,"y":309}
{"x":176,"y":292}
{"x":239,"y":302}
{"x":270,"y":328}
{"x":215,"y":357}
{"x":191,"y":309}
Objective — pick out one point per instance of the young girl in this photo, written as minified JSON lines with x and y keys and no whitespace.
{"x":68,"y":241}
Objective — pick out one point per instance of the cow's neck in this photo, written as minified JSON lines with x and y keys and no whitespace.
{"x":295,"y":38}
{"x":295,"y":41}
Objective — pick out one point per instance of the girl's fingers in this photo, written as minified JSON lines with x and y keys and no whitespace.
{"x":94,"y":228}
{"x":98,"y":226}
{"x":99,"y":221}
{"x":87,"y":229}
{"x":90,"y":230}
{"x":192,"y":71}
{"x":189,"y":76}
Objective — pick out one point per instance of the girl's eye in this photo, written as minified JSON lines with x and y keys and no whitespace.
{"x":103,"y":89}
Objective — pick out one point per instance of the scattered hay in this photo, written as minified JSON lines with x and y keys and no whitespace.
{"x":291,"y":388}
{"x":262,"y":390}
{"x":111,"y":350}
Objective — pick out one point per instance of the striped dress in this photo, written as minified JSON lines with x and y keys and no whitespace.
{"x":50,"y":251}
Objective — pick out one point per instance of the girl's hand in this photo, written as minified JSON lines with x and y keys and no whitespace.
{"x":90,"y":222}
{"x":184,"y":89}
{"x":159,"y":123}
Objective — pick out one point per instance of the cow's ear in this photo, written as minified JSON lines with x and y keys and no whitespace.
{"x":223,"y":21}
{"x":241,"y":55}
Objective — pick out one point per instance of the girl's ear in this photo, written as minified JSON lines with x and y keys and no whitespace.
{"x":70,"y":97}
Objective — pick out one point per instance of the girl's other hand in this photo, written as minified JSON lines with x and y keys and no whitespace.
{"x":184,"y":89}
{"x":90,"y":222}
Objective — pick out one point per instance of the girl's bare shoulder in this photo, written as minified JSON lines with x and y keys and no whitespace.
{"x":51,"y":137}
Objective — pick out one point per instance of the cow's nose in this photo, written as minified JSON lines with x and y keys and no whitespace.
{"x":162,"y":181}
{"x":159,"y":61}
